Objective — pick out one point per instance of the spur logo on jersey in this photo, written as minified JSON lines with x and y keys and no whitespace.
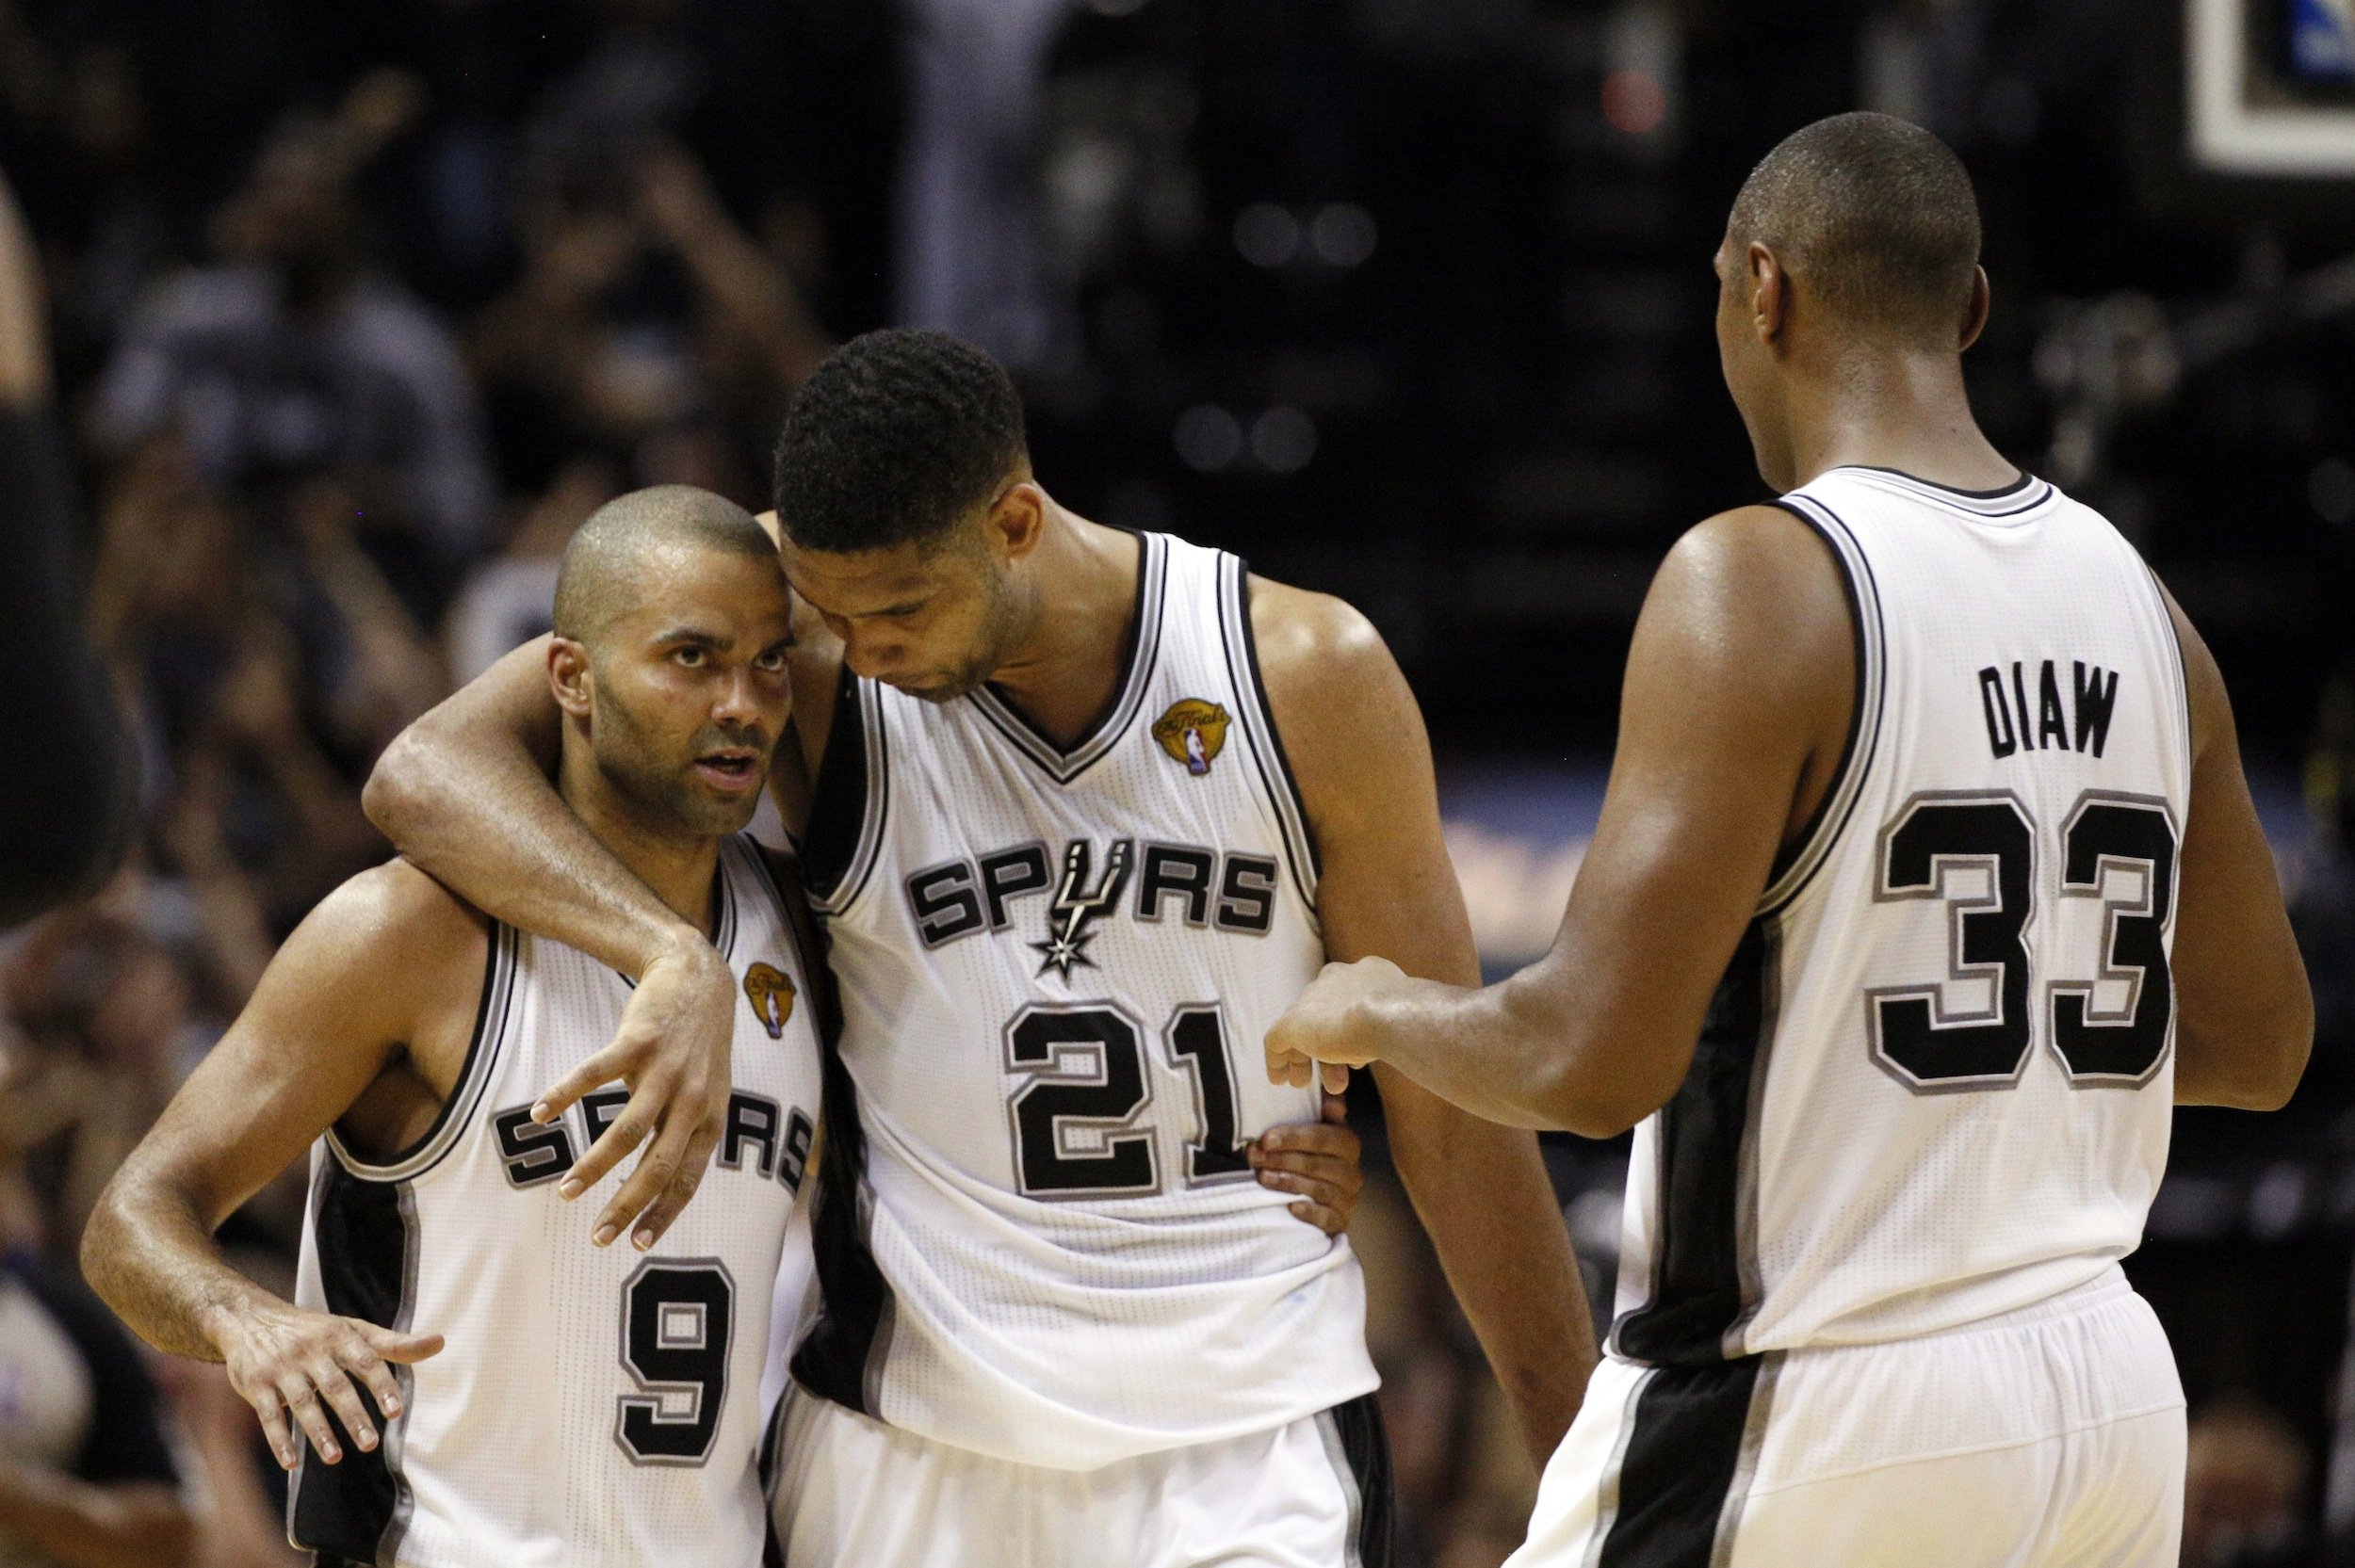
{"x":2014,"y":725}
{"x":1193,"y":732}
{"x":768,"y":1139}
{"x":1209,"y":890}
{"x":771,"y":992}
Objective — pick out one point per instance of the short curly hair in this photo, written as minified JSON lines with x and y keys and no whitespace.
{"x":896,"y":436}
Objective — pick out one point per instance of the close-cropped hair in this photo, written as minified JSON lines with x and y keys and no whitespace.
{"x":897,"y":436}
{"x":1874,"y":217}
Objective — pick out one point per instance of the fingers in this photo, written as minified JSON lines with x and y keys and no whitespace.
{"x":1335,"y":1075}
{"x":639,"y":1117}
{"x":302,"y":1402}
{"x":1332,"y":1222}
{"x":1328,"y":1138}
{"x":657,"y":1220}
{"x":273,"y":1411}
{"x":1335,"y":1109}
{"x":1287,"y":1066}
{"x":342,"y":1394}
{"x":605,"y":1067}
{"x":665,"y":1162}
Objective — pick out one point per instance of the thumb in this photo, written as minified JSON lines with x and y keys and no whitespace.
{"x":1336,"y":1076}
{"x":406,"y":1348}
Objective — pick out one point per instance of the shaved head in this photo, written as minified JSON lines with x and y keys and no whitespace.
{"x":1873,"y":217}
{"x":607,"y":565}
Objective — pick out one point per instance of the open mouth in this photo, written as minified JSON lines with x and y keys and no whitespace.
{"x":730,"y":769}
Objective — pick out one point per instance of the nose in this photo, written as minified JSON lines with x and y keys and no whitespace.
{"x":738,"y":704}
{"x":870,"y":656}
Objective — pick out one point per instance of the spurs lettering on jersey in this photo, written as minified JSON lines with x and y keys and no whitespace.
{"x":588,"y":1399}
{"x":1055,"y":965}
{"x":1936,"y":1082}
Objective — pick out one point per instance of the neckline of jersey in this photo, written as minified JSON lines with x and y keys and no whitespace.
{"x":2023,"y":495}
{"x":1145,"y":616}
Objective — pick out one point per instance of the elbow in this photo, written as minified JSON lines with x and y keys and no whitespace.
{"x":2282,"y":1064}
{"x":1579,"y":1103}
{"x":397,"y":788}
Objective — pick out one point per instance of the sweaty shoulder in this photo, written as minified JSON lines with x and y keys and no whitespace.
{"x":1339,"y":701}
{"x":394,"y":950}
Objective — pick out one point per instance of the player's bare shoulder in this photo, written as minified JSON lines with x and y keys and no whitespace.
{"x":397,"y":955}
{"x":1337,"y":695}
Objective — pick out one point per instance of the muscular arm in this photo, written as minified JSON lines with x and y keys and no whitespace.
{"x":93,"y":1525}
{"x":464,"y":792}
{"x":324,"y":1024}
{"x":1356,"y":740}
{"x":1745,"y":640}
{"x":2244,"y":1016}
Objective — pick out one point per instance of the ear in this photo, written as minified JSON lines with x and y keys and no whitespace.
{"x":1975,"y":313}
{"x":568,"y":676}
{"x":1770,"y":292}
{"x":1017,"y":519}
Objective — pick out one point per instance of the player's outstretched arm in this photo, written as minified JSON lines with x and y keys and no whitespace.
{"x":1356,"y":740}
{"x":387,"y":956}
{"x":2245,"y":1015}
{"x":1737,"y":695}
{"x":464,"y":792}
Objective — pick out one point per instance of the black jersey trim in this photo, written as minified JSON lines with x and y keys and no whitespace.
{"x":473,"y":1076}
{"x":1699,"y":1289}
{"x":1685,"y":1469}
{"x":1796,"y":866}
{"x":1138,"y":662}
{"x":364,"y":1236}
{"x":2023,"y":495}
{"x":851,"y":800}
{"x":1360,"y":1452}
{"x":1261,"y":735}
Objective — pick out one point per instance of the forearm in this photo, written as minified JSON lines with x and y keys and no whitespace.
{"x":485,"y":821}
{"x":133,"y":1524}
{"x":1484,"y":1198}
{"x":150,"y":1257}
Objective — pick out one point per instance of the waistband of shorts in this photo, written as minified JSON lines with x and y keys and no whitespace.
{"x":2110,"y":1284}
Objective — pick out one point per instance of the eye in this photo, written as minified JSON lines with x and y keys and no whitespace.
{"x":771,"y":661}
{"x":690,"y":656}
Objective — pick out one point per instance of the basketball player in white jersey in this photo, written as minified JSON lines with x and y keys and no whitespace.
{"x":1089,"y":809}
{"x":1927,"y":885}
{"x":538,"y":1398}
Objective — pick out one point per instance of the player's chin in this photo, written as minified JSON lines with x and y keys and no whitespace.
{"x":725,"y":805}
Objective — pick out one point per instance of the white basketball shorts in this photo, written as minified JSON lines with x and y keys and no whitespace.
{"x":854,"y":1493}
{"x":2050,"y":1437}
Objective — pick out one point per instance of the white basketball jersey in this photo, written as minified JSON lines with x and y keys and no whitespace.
{"x":1936,"y":1083}
{"x":1056,"y":967}
{"x":591,"y":1406}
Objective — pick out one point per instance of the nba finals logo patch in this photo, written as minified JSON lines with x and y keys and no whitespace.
{"x":1191,"y":732}
{"x":771,"y":992}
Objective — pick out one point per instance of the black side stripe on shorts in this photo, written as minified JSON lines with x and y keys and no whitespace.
{"x":1683,"y":1460}
{"x":1360,"y":1451}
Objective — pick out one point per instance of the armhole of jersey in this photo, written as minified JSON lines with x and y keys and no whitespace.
{"x":482,"y":1048}
{"x":2183,"y":672}
{"x":1797,"y":864}
{"x":1258,"y":724}
{"x":849,"y":800}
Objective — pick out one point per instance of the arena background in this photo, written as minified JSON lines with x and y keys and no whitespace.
{"x":358,"y":308}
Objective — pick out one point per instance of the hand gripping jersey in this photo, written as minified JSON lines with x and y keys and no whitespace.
{"x":1056,"y":966}
{"x":591,"y":1406}
{"x":1936,"y":1082}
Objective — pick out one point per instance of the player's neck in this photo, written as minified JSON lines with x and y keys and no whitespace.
{"x":681,"y":867}
{"x":1067,"y":671}
{"x":1907,"y":412}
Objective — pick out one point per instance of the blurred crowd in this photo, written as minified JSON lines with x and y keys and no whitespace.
{"x":358,"y":311}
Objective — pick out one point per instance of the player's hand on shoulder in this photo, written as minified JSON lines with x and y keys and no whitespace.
{"x":1324,"y":1032}
{"x":1321,"y":1161}
{"x":673,"y":1054}
{"x":289,"y":1362}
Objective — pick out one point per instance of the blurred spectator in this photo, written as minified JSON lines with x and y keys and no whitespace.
{"x":2245,"y":1491}
{"x":292,"y":354}
{"x":86,"y":1475}
{"x":509,"y":599}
